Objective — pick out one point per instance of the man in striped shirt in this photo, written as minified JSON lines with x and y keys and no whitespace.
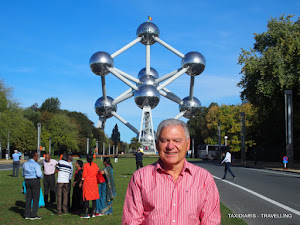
{"x":65,"y":171}
{"x":172,"y":190}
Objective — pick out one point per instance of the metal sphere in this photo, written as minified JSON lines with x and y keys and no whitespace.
{"x":99,"y":63}
{"x":104,"y":108}
{"x":146,"y":95}
{"x":190,"y":106}
{"x":153,"y":73}
{"x":147,"y":31}
{"x":195,"y":62}
{"x":147,"y":80}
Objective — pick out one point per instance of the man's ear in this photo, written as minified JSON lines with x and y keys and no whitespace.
{"x":188,"y":144}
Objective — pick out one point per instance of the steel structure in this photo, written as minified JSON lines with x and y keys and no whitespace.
{"x":148,"y":86}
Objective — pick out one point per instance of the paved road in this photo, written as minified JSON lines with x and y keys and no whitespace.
{"x":271,"y":197}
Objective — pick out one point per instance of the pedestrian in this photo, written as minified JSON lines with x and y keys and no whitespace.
{"x":49,"y":167}
{"x":63,"y":178}
{"x":70,"y":159}
{"x":16,"y":163}
{"x":116,"y":157}
{"x":107,"y":190}
{"x":77,"y":201}
{"x":172,"y":190}
{"x":90,"y":189}
{"x":139,"y":158}
{"x":32,"y":173}
{"x":227,"y":161}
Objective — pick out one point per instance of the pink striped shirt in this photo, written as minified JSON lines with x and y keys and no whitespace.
{"x":153,"y":197}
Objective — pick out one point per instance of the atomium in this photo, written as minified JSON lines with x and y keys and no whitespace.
{"x":104,"y":107}
{"x":195,"y":62}
{"x":99,"y":63}
{"x":147,"y":31}
{"x":189,"y":106}
{"x":152,"y":73}
{"x":148,"y":86}
{"x":147,"y":95}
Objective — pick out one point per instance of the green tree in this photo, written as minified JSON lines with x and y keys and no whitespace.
{"x":134,"y":143}
{"x":51,"y":105}
{"x":63,"y":133}
{"x":115,"y":136}
{"x":269,"y":68}
{"x":230,"y":121}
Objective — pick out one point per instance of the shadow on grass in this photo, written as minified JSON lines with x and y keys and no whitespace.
{"x":128,"y":174}
{"x":18,"y":208}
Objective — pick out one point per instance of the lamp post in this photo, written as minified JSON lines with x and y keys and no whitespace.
{"x":8,"y":147}
{"x":87,"y":146}
{"x":50,"y":146}
{"x":226,"y":141}
{"x":243,"y":146}
{"x":288,"y":97}
{"x":39,"y":140}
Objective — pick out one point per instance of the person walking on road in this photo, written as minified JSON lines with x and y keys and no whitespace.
{"x":16,"y":163}
{"x":49,"y":167}
{"x":32,"y":173}
{"x":227,"y":161}
{"x":139,"y":158}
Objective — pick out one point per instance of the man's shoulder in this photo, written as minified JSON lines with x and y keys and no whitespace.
{"x":197,"y":170}
{"x":145,"y":169}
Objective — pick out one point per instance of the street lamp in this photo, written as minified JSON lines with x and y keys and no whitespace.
{"x":226,"y":141}
{"x":50,"y":146}
{"x":39,"y":140}
{"x":288,"y":97}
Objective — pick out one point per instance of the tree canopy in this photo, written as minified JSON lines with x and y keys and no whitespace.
{"x":268,"y":69}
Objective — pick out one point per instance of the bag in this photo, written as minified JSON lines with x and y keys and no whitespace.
{"x":100,"y":178}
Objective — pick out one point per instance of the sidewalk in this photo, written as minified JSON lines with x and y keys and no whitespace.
{"x":269,"y":165}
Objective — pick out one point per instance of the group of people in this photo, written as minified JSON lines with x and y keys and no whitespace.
{"x":169,"y":191}
{"x":85,"y":186}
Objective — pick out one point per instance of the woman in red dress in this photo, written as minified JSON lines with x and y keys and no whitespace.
{"x":90,"y":187}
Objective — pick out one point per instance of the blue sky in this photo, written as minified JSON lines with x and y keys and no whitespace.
{"x":45,"y":47}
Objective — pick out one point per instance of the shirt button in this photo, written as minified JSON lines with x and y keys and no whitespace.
{"x":173,"y":221}
{"x":174,"y":204}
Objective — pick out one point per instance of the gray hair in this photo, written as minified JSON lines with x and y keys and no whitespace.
{"x":172,"y":122}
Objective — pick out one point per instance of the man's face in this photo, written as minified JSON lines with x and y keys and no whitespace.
{"x":35,"y":157}
{"x":172,"y":145}
{"x":47,"y":158}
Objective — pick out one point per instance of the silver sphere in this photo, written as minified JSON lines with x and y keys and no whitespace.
{"x":195,"y":62}
{"x":191,"y":106}
{"x":153,"y":73}
{"x":147,"y":80}
{"x":99,"y":63}
{"x":147,"y":31}
{"x":104,"y":108}
{"x":146,"y":95}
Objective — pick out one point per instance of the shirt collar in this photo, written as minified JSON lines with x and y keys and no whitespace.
{"x":186,"y":167}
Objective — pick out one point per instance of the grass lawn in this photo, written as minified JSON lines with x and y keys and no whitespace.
{"x":12,"y":201}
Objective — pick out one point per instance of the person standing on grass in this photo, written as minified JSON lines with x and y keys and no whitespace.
{"x":49,"y":166}
{"x":172,"y":190}
{"x":227,"y":161}
{"x":107,"y":190}
{"x":77,"y":202}
{"x":63,"y":179}
{"x":16,"y":163}
{"x":90,"y":189}
{"x":32,"y":173}
{"x":139,"y":158}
